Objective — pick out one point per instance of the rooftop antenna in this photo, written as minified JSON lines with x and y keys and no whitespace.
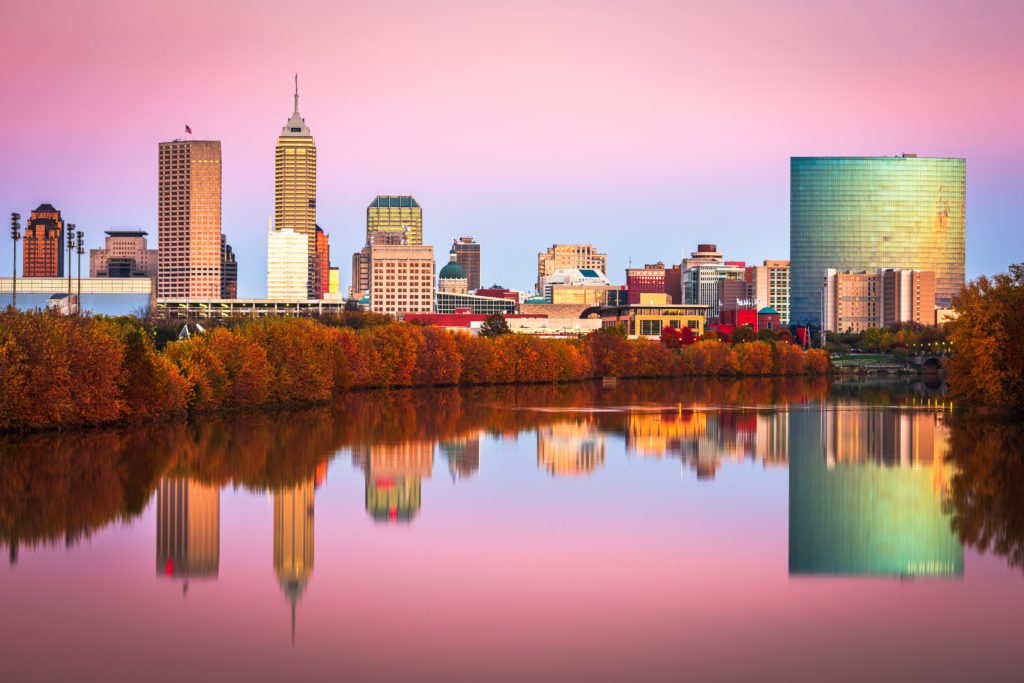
{"x":296,"y":93}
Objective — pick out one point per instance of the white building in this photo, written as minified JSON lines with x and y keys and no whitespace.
{"x":573,"y":277}
{"x":287,"y":265}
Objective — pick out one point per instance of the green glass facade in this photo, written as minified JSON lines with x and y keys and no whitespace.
{"x":863,"y":213}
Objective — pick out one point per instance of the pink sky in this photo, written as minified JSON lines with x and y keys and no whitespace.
{"x":643,"y":127}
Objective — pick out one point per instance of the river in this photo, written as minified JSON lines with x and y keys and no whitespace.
{"x":655,"y":530}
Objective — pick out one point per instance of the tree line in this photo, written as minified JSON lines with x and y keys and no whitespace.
{"x":60,"y":372}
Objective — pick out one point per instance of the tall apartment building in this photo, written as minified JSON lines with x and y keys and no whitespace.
{"x":865,"y":213}
{"x":43,"y":244}
{"x":228,"y":271}
{"x":188,"y":219}
{"x":467,"y":251}
{"x":769,"y":285}
{"x":562,"y":256}
{"x":295,"y":188}
{"x":856,"y":301}
{"x":908,"y":296}
{"x":401,"y":279}
{"x":125,"y":253}
{"x":287,"y":265}
{"x":402,"y":213}
{"x":647,"y":280}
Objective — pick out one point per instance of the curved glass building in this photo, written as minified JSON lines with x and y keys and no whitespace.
{"x":863,"y":213}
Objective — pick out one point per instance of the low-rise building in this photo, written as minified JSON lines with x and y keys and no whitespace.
{"x":124,"y":254}
{"x":653,"y":314}
{"x":857,"y":301}
{"x":647,"y":280}
{"x":401,"y":279}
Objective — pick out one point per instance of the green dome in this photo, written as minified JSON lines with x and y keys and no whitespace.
{"x":452,"y":271}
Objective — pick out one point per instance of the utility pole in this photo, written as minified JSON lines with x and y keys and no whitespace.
{"x":15,"y":236}
{"x":70,"y":242}
{"x":81,"y":250}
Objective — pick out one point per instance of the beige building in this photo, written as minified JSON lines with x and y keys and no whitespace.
{"x":587,"y":295}
{"x":569,"y":256}
{"x":908,"y":296}
{"x":361,"y":260}
{"x":854,"y":302}
{"x":287,"y":265}
{"x":769,"y":285}
{"x":653,"y":314}
{"x":295,"y":188}
{"x":401,"y":279}
{"x":124,"y":254}
{"x":188,"y":219}
{"x":400,"y":214}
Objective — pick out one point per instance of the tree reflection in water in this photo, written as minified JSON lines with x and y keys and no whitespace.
{"x":63,"y":487}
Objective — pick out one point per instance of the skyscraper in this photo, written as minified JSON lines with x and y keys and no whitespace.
{"x":188,"y":219}
{"x":323,"y":264}
{"x":228,"y":271}
{"x":468,"y":256}
{"x":43,"y":250}
{"x":295,"y":187}
{"x":388,"y":213}
{"x":865,"y":213}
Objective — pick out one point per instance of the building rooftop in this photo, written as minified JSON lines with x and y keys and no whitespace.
{"x":45,"y":208}
{"x":126,"y":233}
{"x":768,"y":310}
{"x":383,"y":201}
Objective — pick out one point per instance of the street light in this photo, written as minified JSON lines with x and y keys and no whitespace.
{"x":70,"y":245}
{"x":81,"y":242}
{"x":15,"y":236}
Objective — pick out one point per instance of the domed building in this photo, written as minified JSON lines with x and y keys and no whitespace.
{"x":452,"y":278}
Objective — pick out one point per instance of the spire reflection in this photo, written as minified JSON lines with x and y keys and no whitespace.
{"x":187,"y":530}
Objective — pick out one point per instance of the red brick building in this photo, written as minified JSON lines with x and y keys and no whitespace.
{"x":647,"y":280}
{"x":43,"y":254}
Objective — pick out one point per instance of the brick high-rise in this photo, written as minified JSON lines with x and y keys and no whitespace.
{"x":188,"y":220}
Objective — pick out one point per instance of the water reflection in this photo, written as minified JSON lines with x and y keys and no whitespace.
{"x":868,"y":494}
{"x":187,"y":530}
{"x":880,"y":483}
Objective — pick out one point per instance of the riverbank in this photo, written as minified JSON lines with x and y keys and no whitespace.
{"x":64,"y":372}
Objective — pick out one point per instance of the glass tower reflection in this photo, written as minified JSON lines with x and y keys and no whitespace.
{"x":868,"y":494}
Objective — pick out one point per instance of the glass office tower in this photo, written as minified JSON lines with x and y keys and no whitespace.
{"x":863,"y":213}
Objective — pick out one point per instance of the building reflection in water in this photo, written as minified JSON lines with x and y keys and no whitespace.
{"x":394,"y":475}
{"x":293,"y":540}
{"x":187,"y":530}
{"x":702,"y":440}
{"x":463,"y":456}
{"x":868,"y":494}
{"x":571,"y":448}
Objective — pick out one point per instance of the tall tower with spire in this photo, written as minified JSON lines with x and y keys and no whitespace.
{"x":295,"y":186}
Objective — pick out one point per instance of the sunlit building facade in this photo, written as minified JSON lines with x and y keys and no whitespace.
{"x":401,"y":279}
{"x":769,"y":286}
{"x":866,"y":213}
{"x":401,"y":214}
{"x":43,"y":244}
{"x":188,"y":220}
{"x":295,"y":189}
{"x":287,"y":265}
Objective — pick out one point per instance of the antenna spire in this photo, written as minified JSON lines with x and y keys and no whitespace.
{"x":296,"y":93}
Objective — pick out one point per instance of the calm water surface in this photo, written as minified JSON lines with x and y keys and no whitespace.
{"x":655,"y":531}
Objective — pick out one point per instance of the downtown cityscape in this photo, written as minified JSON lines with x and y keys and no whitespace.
{"x":540,"y":341}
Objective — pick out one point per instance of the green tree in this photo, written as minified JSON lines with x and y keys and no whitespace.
{"x":494,"y":326}
{"x":743,"y":334}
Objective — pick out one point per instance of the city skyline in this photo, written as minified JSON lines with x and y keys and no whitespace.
{"x":566,"y":164}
